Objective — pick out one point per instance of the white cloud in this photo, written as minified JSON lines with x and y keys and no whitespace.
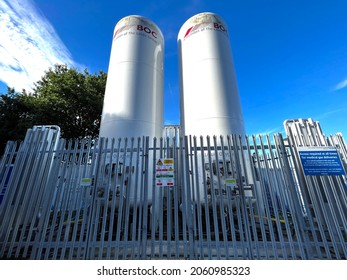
{"x":341,"y":85}
{"x":269,"y":131}
{"x":329,"y":114}
{"x":29,"y":44}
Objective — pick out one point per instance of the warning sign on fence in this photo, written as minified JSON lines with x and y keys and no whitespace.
{"x":164,"y":172}
{"x":320,"y":161}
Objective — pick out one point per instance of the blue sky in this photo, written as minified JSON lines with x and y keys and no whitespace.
{"x":290,"y":57}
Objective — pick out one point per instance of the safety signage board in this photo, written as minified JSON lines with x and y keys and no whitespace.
{"x":86,"y":182}
{"x":165,"y":172}
{"x":320,"y":161}
{"x":230,"y":182}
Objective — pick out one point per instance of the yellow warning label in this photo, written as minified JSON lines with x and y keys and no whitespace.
{"x":230,"y":182}
{"x":165,"y":172}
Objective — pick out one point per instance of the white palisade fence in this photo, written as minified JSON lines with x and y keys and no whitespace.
{"x":228,"y":197}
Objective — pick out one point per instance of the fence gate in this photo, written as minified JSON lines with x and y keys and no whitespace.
{"x":175,"y":197}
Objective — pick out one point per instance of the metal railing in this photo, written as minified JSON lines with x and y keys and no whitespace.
{"x":232,"y":197}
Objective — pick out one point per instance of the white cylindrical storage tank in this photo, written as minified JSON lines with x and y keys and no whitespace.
{"x":210,"y":103}
{"x":133,"y":102}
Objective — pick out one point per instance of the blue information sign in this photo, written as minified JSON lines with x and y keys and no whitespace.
{"x":320,"y":161}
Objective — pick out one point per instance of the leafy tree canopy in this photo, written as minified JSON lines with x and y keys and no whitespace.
{"x":64,"y":97}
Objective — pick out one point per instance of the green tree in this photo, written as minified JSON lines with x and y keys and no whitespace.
{"x":71,"y":100}
{"x":15,"y":117}
{"x":64,"y":97}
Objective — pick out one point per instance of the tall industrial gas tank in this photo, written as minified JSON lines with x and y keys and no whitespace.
{"x":210,"y":103}
{"x":133,"y":102}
